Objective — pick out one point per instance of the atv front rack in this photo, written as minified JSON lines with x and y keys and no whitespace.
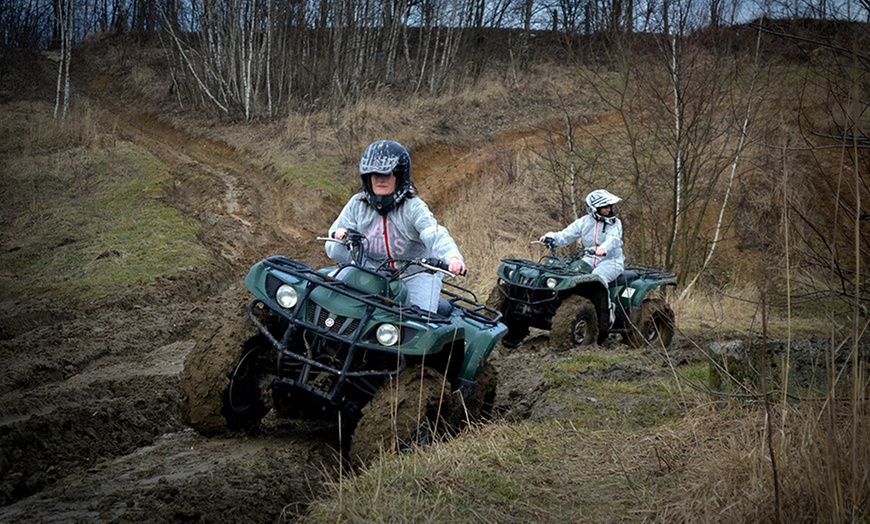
{"x":345,"y":333}
{"x":556,"y":266}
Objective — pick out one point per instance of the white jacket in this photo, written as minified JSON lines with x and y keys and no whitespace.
{"x":408,"y":231}
{"x":593,"y":233}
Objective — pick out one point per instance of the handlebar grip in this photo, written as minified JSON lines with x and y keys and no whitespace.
{"x":440,"y":264}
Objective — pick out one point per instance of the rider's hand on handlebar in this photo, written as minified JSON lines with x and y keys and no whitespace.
{"x":339,"y":233}
{"x":544,"y":238}
{"x":599,"y":251}
{"x":456,"y":266}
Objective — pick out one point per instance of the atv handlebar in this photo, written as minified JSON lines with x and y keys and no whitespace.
{"x":439,"y":265}
{"x":550,"y":243}
{"x":354,"y":241}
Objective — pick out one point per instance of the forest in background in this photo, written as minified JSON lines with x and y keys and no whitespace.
{"x":743,"y":145}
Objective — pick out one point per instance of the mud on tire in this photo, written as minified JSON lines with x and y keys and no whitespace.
{"x":496,"y":300}
{"x":574,"y":324}
{"x":655,"y":327}
{"x":409,"y":410}
{"x":205,"y":378}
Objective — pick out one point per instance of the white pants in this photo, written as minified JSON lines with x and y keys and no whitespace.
{"x":424,"y":290}
{"x":606,"y":269}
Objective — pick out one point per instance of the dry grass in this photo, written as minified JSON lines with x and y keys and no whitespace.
{"x":714,"y":465}
{"x":497,"y":473}
{"x":737,"y":309}
{"x":820,"y":465}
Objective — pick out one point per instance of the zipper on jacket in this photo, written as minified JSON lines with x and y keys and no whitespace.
{"x":387,"y":241}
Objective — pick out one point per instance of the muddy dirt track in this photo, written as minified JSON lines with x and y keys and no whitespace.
{"x":90,"y":427}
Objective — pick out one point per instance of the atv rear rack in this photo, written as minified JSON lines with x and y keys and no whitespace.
{"x":650,"y":273}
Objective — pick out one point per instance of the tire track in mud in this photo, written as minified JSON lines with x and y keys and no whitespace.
{"x":229,"y":210}
{"x":94,"y":402}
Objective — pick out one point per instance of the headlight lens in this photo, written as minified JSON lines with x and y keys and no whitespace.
{"x":286,"y":296}
{"x":388,"y":334}
{"x":509,"y":274}
{"x":551,"y":282}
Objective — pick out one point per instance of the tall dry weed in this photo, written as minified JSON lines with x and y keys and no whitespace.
{"x":818,"y":470}
{"x":29,"y":127}
{"x":499,"y":215}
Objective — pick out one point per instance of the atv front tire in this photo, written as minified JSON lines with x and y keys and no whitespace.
{"x":496,"y":300}
{"x":574,"y":324}
{"x":243,"y":406}
{"x":205,"y":379}
{"x":480,"y":403}
{"x":517,"y":331}
{"x":656,"y":325}
{"x":408,"y":410}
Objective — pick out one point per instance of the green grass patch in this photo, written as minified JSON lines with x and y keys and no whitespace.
{"x":326,"y":175}
{"x":90,"y":222}
{"x":582,"y":363}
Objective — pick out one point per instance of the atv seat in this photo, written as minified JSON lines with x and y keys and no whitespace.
{"x":445,"y":307}
{"x":624,"y":278}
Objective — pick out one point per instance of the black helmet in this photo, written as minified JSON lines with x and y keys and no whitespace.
{"x":386,"y":157}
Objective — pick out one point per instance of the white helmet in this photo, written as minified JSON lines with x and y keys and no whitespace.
{"x":601,"y":198}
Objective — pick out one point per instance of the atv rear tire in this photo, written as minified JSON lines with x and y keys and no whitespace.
{"x":574,"y":324}
{"x":205,"y":379}
{"x":656,"y":325}
{"x":407,"y":411}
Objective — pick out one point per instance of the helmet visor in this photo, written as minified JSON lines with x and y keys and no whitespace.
{"x":378,"y":160}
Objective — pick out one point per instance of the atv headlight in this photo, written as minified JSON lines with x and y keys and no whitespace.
{"x":286,"y":296}
{"x":387,"y":334}
{"x":509,"y":274}
{"x":551,"y":282}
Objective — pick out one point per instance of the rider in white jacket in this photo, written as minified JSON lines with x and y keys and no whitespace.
{"x":600,"y":230}
{"x":396,"y":223}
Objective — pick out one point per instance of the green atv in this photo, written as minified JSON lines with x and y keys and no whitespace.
{"x":343,"y":343}
{"x":560,"y":294}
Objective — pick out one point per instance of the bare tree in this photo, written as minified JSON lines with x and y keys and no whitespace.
{"x":64,"y":15}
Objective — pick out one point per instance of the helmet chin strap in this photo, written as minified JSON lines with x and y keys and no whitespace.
{"x":383,"y":204}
